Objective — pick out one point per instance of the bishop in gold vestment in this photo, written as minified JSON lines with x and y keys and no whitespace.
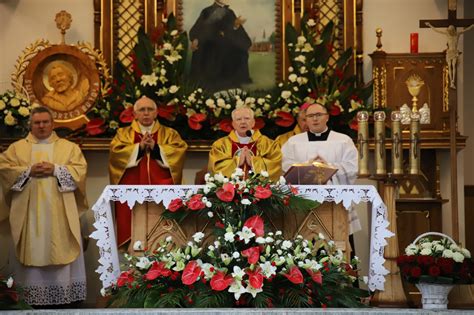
{"x":43,"y":179}
{"x":245,"y":148}
{"x":145,"y":153}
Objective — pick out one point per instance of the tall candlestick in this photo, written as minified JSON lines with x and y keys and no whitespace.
{"x":397,"y":153}
{"x":379,"y":130}
{"x":363,"y":142}
{"x":415,"y":144}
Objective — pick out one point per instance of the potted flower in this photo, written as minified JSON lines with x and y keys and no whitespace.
{"x":435,"y":266}
{"x":14,"y":114}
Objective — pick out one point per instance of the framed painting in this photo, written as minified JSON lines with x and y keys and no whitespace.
{"x":232,"y":43}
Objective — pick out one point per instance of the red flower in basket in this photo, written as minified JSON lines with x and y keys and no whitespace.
{"x":226,"y":125}
{"x":156,"y":270}
{"x":256,"y":224}
{"x":226,"y":193}
{"x":190,"y":273}
{"x":259,"y":123}
{"x":195,"y":121}
{"x":316,"y":276}
{"x":195,"y":203}
{"x":175,"y":205}
{"x":294,"y":275}
{"x":95,"y":126}
{"x":252,"y":254}
{"x":284,"y":119}
{"x":126,"y":277}
{"x":262,"y":192}
{"x":127,"y":116}
{"x":220,"y":281}
{"x":166,"y":112}
{"x":255,"y":278}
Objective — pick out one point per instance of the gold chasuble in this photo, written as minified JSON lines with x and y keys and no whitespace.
{"x":281,"y":139}
{"x":128,"y":167}
{"x":44,"y":221}
{"x":172,"y":148}
{"x":267,"y":155}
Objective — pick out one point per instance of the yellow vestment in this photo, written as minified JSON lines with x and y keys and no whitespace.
{"x":267,"y":158}
{"x":123,"y":144}
{"x":40,"y":213}
{"x":281,"y":139}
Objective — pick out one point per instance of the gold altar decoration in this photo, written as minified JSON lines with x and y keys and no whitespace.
{"x":363,"y":143}
{"x":414,"y":84}
{"x":397,"y":151}
{"x":380,"y":156}
{"x":65,"y":78}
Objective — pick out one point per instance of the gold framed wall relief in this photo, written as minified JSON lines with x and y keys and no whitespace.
{"x":65,"y":78}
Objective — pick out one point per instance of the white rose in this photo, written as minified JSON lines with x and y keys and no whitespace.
{"x":411,"y":250}
{"x":10,"y":282}
{"x":447,"y":253}
{"x":24,"y":111}
{"x":285,"y":94}
{"x":426,"y":245}
{"x":14,"y":102}
{"x":245,"y":202}
{"x":439,"y":248}
{"x":2,"y":105}
{"x":311,"y":23}
{"x":426,"y":251}
{"x":174,"y":33}
{"x":466,"y":252}
{"x":9,"y":119}
{"x":458,"y":257}
{"x":292,"y":77}
{"x":301,"y":40}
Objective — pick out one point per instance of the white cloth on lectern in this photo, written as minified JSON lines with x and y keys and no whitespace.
{"x":338,"y":151}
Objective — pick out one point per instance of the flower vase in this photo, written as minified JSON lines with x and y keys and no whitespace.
{"x":434,"y":296}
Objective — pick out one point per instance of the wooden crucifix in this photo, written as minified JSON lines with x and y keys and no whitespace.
{"x":451,"y":24}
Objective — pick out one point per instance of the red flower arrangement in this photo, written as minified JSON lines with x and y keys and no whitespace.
{"x":436,"y":261}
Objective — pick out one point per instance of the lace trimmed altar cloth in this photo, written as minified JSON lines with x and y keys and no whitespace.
{"x":109,"y":268}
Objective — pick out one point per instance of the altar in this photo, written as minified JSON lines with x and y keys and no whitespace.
{"x":109,"y":268}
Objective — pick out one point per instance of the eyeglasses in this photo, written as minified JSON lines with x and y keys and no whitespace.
{"x":317,"y":115}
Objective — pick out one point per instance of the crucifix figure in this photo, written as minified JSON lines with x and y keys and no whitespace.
{"x":452,"y":35}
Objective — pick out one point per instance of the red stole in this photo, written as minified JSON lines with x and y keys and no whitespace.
{"x":147,"y":172}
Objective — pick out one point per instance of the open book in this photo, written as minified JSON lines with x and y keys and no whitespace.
{"x":311,"y":173}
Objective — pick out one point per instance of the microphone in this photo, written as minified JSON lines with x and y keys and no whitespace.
{"x":248,"y":133}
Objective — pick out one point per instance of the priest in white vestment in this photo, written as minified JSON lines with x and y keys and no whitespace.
{"x":321,"y":144}
{"x":43,"y":179}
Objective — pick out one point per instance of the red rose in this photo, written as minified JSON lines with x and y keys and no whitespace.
{"x":252,"y":254}
{"x":125,"y":277}
{"x":127,"y":116}
{"x":294,"y":275}
{"x":316,"y":276}
{"x":415,"y":272}
{"x":226,"y":193}
{"x":401,"y":259}
{"x":406,"y":270}
{"x":95,"y":127}
{"x":410,"y":259}
{"x":195,"y":203}
{"x":190,"y":273}
{"x":259,"y":123}
{"x":256,"y":224}
{"x":255,"y":278}
{"x":175,"y":205}
{"x":226,"y":125}
{"x":262,"y":192}
{"x":220,"y":281}
{"x":195,"y":121}
{"x":166,"y":112}
{"x":284,"y":119}
{"x":156,"y":270}
{"x":434,"y":271}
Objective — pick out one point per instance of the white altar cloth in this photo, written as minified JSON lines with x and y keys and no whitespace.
{"x":109,"y":268}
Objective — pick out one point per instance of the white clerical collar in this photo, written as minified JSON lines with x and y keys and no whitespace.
{"x":320,"y":133}
{"x":244,"y":140}
{"x":145,"y":129}
{"x":220,"y":4}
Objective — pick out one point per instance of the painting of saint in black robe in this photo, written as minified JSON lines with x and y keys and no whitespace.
{"x":220,"y":48}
